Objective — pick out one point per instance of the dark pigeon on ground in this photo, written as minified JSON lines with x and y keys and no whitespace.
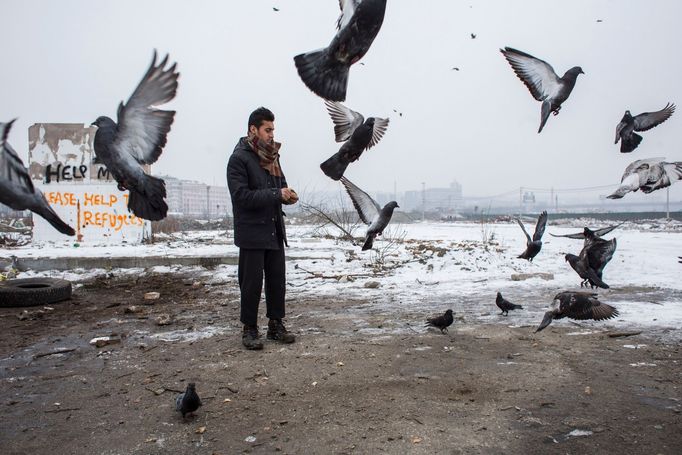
{"x":138,"y":139}
{"x":355,"y":132}
{"x":473,"y":36}
{"x":441,"y":322}
{"x":544,"y":84}
{"x":188,"y":401}
{"x":625,"y":130}
{"x":597,"y":232}
{"x":579,"y":306}
{"x":325,"y":71}
{"x":505,"y":305}
{"x":16,"y":188}
{"x":275,"y":9}
{"x":534,"y":245}
{"x":648,"y":175}
{"x":596,"y":253}
{"x":369,"y":211}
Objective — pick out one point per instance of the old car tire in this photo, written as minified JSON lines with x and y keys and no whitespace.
{"x":33,"y":291}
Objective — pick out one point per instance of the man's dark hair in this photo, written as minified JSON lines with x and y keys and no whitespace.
{"x":259,"y":116}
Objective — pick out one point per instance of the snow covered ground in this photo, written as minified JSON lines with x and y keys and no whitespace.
{"x":442,"y":265}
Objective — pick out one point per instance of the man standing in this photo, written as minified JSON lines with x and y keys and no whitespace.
{"x":258,"y":189}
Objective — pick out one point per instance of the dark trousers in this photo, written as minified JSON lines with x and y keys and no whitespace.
{"x":252,"y":265}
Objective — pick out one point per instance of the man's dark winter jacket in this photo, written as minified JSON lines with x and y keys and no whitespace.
{"x":256,"y":201}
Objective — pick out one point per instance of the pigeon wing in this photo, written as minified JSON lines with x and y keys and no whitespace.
{"x":12,"y":169}
{"x":348,"y":8}
{"x":142,"y":129}
{"x":524,"y":229}
{"x":538,"y":75}
{"x":600,"y":253}
{"x":366,"y":207}
{"x":345,"y":120}
{"x":648,"y":120}
{"x":673,"y":171}
{"x":380,"y":126}
{"x":540,"y":226}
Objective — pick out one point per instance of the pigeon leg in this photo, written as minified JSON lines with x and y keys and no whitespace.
{"x":556,"y":111}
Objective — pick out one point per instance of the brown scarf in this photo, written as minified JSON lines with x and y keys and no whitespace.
{"x":268,"y":154}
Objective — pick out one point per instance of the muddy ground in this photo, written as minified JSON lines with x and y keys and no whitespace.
{"x":354,"y":382}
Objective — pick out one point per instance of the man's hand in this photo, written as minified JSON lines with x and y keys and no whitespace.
{"x":289,"y":196}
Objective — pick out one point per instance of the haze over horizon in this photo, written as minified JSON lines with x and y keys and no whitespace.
{"x":71,"y":61}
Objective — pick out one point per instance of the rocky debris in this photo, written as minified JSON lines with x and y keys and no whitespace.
{"x":372,"y":284}
{"x":164,"y":319}
{"x":152,"y":295}
{"x":100,"y":342}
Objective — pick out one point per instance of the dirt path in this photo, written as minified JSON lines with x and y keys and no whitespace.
{"x":354,"y":382}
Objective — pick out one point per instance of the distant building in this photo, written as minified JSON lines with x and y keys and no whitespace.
{"x":190,"y":198}
{"x":434,"y":199}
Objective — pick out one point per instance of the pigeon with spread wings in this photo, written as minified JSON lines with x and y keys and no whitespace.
{"x":579,"y":306}
{"x":325,"y":71}
{"x":357,"y":134}
{"x":369,"y":211}
{"x":544,"y":84}
{"x":648,"y":175}
{"x":597,"y":232}
{"x":594,"y":256}
{"x":138,"y":139}
{"x":534,"y":244}
{"x":16,"y":188}
{"x":625,"y":130}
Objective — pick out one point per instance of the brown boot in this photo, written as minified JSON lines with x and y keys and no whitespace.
{"x":277,"y":332}
{"x":251,"y":338}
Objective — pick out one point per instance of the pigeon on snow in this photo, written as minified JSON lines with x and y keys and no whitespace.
{"x":533,"y":245}
{"x":188,"y":401}
{"x":579,"y":306}
{"x":505,"y":305}
{"x":325,"y":71}
{"x":138,"y":139}
{"x":594,"y":256}
{"x":359,"y":135}
{"x":544,"y":84}
{"x":625,"y":130}
{"x":16,"y":188}
{"x":369,"y":211}
{"x":597,"y":232}
{"x":648,"y":175}
{"x":441,"y":322}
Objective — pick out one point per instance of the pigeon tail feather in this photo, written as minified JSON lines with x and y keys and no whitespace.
{"x":49,"y":214}
{"x":369,"y":242}
{"x":544,"y":114}
{"x":334,"y":167}
{"x":149,"y":205}
{"x":630,"y":143}
{"x":321,"y":74}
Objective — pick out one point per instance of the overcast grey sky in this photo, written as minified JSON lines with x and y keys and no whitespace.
{"x":73,"y":60}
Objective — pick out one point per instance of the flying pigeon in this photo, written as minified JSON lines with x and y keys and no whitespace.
{"x":534,"y":245}
{"x":594,"y":256}
{"x":16,"y":188}
{"x":505,"y":305}
{"x":597,"y":232}
{"x":625,"y":130}
{"x":138,"y":139}
{"x":188,"y":401}
{"x":579,"y":306}
{"x":325,"y":71}
{"x":473,"y":36}
{"x":680,"y":259}
{"x":275,"y":9}
{"x":359,"y":135}
{"x":648,"y":175}
{"x":441,"y":322}
{"x":369,"y":211}
{"x":542,"y":81}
